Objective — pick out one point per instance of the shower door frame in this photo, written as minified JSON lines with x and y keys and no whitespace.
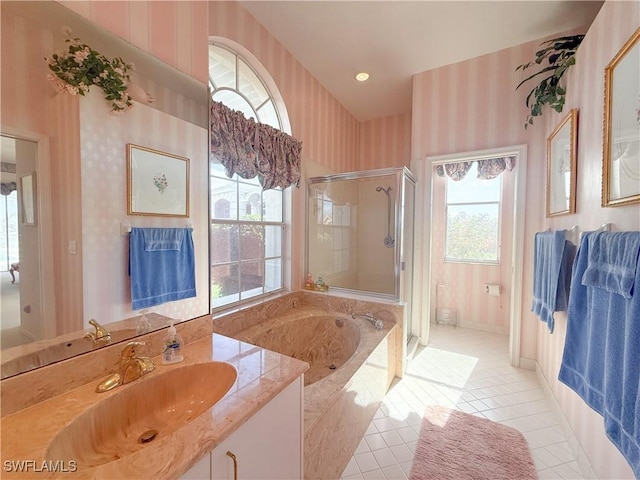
{"x":400,"y":173}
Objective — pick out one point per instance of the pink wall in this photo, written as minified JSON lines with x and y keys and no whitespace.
{"x":173,"y":31}
{"x":385,"y":142}
{"x":615,"y":23}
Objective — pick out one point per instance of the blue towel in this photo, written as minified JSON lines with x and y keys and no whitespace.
{"x":552,"y":260}
{"x":162,"y":238}
{"x":161,"y":265}
{"x":613,"y":259}
{"x":601,"y":359}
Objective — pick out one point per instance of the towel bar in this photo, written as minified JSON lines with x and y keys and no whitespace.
{"x":125,"y":228}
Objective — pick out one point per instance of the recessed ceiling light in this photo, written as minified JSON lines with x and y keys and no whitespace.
{"x":362,"y":76}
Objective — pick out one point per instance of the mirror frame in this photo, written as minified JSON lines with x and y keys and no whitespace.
{"x":567,"y":127}
{"x":609,"y":135}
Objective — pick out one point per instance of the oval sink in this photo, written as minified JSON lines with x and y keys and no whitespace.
{"x":141,"y":412}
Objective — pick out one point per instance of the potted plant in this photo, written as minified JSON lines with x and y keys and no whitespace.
{"x":559,"y":54}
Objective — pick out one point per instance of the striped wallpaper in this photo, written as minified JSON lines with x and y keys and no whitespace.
{"x":30,"y":104}
{"x":615,"y":23}
{"x":385,"y":142}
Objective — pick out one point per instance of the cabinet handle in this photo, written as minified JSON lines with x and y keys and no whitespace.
{"x":235,"y":464}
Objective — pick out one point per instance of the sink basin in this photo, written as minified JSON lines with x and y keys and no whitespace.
{"x":141,"y":413}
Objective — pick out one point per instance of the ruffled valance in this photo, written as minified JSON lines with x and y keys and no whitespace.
{"x":250,"y":149}
{"x":7,"y":188}
{"x":487,"y":169}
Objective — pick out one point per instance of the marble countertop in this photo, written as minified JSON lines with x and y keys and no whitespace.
{"x":262,"y":374}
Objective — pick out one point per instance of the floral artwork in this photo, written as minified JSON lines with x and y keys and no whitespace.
{"x":78,"y":67}
{"x":160,"y":181}
{"x":157,"y":182}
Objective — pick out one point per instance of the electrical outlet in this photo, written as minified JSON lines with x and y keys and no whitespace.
{"x":73,"y":247}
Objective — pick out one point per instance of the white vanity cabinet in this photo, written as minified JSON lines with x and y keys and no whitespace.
{"x":267,"y":446}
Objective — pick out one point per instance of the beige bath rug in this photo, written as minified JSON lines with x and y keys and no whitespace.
{"x":456,"y":445}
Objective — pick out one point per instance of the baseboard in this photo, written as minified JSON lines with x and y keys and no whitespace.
{"x":528,"y":364}
{"x":574,"y":444}
{"x":484,"y":327}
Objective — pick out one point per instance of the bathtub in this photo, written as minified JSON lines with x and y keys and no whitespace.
{"x":352,"y":365}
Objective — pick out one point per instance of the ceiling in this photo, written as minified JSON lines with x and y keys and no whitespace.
{"x":393,"y":39}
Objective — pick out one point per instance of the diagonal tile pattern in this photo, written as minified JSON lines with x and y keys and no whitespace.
{"x":467,"y":370}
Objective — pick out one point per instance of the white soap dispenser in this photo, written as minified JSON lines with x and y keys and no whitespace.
{"x":172,"y":346}
{"x":143,"y":323}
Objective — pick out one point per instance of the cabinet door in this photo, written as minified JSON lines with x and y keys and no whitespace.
{"x":269,"y":445}
{"x":200,"y":471}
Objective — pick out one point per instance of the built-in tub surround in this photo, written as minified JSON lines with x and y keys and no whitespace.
{"x":30,"y":433}
{"x":339,"y":403}
{"x":325,"y":342}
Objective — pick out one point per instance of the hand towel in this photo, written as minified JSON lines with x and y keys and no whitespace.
{"x":601,"y":358}
{"x":553,"y":257}
{"x":613,"y":259}
{"x":161,"y":266}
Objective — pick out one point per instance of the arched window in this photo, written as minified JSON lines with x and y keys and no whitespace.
{"x":247,"y":247}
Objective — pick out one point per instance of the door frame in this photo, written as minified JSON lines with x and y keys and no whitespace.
{"x":423,"y":169}
{"x":44,"y":225}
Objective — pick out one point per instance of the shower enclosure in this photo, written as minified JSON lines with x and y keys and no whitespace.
{"x":360,"y":233}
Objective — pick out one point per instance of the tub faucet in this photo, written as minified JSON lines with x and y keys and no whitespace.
{"x":100,"y":337}
{"x":369,"y":316}
{"x":131,"y":367}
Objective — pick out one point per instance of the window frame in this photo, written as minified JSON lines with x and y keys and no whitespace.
{"x":498,"y":202}
{"x":246,"y":296}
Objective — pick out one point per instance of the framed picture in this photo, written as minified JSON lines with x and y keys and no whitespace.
{"x":562,"y":151}
{"x":157,"y":183}
{"x":28,"y":198}
{"x":621,"y":155}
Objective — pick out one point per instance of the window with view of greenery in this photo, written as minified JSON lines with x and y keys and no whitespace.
{"x":473,"y":219}
{"x":247,"y":223}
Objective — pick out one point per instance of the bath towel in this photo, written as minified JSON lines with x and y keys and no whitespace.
{"x":553,"y":258}
{"x":613,"y":258}
{"x":601,"y":358}
{"x":161,"y":265}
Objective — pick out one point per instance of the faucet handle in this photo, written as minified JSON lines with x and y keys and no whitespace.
{"x":130,"y":350}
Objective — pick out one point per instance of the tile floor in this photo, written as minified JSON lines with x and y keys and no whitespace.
{"x":467,"y":370}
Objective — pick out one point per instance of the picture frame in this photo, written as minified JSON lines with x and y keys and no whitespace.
{"x":157,"y":183}
{"x":621,"y":136}
{"x":28,"y":198}
{"x":562,"y":152}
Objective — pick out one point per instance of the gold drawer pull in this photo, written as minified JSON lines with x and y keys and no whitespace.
{"x":235,"y":465}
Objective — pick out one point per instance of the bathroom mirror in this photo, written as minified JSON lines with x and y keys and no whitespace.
{"x":621,"y":156}
{"x":78,"y":171}
{"x":561,"y":166}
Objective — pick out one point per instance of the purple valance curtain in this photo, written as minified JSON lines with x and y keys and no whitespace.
{"x":249,"y":149}
{"x":487,"y":169}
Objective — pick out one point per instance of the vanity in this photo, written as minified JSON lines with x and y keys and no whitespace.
{"x":214,"y":415}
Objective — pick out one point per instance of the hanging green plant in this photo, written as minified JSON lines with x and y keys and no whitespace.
{"x":559,"y":53}
{"x":76,"y":68}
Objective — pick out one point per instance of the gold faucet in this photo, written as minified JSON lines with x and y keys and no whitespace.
{"x":100,"y":337}
{"x":131,"y":367}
